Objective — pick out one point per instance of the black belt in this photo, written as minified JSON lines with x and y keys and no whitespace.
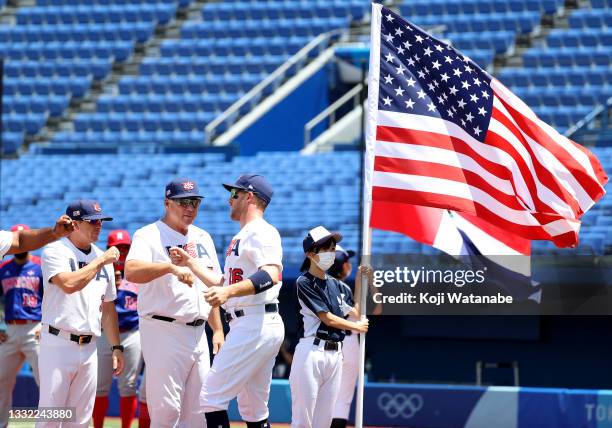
{"x":348,"y":332}
{"x":268,"y":308}
{"x":329,"y":345}
{"x":196,"y":323}
{"x":81,"y":339}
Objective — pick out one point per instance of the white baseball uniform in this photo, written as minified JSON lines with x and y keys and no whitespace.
{"x":243,"y":367}
{"x":350,"y":364}
{"x":6,"y":240}
{"x":176,"y":355}
{"x":67,"y":369}
{"x":317,"y":361}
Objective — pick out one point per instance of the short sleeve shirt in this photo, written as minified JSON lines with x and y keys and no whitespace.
{"x":79,"y":312}
{"x":317,"y":295}
{"x":257,"y":244}
{"x":21,"y":289}
{"x":166,"y":295}
{"x":6,"y":240}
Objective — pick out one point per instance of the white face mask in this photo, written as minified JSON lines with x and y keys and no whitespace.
{"x":326,"y":260}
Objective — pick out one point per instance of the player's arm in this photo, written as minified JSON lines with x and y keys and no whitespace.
{"x":71,"y":282}
{"x":110,"y":325}
{"x":142,"y":272}
{"x":335,"y":321}
{"x":29,"y":240}
{"x":180,"y":257}
{"x":266,"y":277}
{"x":214,"y":321}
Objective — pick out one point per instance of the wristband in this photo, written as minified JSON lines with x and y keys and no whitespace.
{"x":119,"y":347}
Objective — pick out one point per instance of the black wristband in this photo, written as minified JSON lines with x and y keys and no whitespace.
{"x":119,"y":347}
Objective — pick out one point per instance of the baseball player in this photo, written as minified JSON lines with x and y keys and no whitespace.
{"x":125,"y":305}
{"x":317,"y":361}
{"x":78,"y":301}
{"x":340,"y":270}
{"x":249,"y":293}
{"x":22,"y":241}
{"x":172,"y":308}
{"x":21,"y":289}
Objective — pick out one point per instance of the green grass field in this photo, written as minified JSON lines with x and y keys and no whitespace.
{"x":116,"y":423}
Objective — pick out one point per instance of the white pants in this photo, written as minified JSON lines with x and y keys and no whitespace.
{"x":314,"y":381}
{"x":132,"y":356}
{"x":350,"y":372}
{"x":177,"y":361}
{"x":243,"y":367}
{"x":68,"y":373}
{"x":20,"y":345}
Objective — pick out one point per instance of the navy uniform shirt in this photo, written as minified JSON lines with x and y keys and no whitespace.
{"x":316,"y":295}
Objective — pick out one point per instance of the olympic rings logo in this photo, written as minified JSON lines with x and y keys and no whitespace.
{"x":400,"y":405}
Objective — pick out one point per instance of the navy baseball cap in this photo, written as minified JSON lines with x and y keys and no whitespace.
{"x":181,"y":188}
{"x":253,"y":183}
{"x":342,"y":257}
{"x":319,"y":235}
{"x":86,"y":209}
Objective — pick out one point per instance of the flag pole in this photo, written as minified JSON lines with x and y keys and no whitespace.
{"x":367,"y":150}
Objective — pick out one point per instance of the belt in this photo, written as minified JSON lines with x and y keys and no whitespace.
{"x":81,"y":339}
{"x":21,"y":322}
{"x":329,"y":344}
{"x":195,"y":323}
{"x":237,"y":313}
{"x":348,"y":332}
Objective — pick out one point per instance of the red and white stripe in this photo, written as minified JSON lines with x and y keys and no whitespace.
{"x":525,"y":178}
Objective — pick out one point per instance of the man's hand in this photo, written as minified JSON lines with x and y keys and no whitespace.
{"x":216,"y":296}
{"x":110,"y":256}
{"x":64,"y":226}
{"x":367,"y":271}
{"x":179,"y":257}
{"x":118,"y":362}
{"x":218,"y":340}
{"x":3,"y":336}
{"x":183,"y":274}
{"x":362,"y":326}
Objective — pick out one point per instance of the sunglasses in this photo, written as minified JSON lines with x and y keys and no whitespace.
{"x":188,"y":202}
{"x":93,"y":222}
{"x":234,"y":193}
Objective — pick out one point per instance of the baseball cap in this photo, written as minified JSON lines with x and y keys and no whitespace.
{"x":86,"y":209}
{"x":118,"y":237}
{"x":342,"y":257}
{"x":253,"y":183}
{"x":181,"y":188}
{"x":19,"y":227}
{"x":318,"y":236}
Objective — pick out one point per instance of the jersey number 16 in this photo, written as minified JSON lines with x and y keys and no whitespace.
{"x":235,"y":275}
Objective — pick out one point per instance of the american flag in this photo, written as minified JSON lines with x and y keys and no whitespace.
{"x":444,"y":133}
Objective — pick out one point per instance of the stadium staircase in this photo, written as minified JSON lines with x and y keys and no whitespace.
{"x":116,"y":89}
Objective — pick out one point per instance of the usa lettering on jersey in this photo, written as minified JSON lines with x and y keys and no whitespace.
{"x":193,"y":249}
{"x":74,"y":266}
{"x":233,"y":247}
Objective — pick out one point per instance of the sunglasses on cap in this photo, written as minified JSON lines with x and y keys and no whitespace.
{"x":188,"y":202}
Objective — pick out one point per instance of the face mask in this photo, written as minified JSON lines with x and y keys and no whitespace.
{"x":326,"y":260}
